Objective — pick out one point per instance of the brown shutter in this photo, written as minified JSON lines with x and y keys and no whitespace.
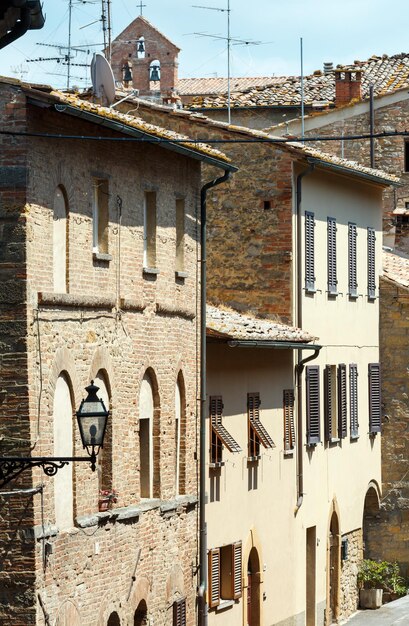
{"x":327,"y":403}
{"x":216,"y":411}
{"x":214,"y":577}
{"x":309,"y":251}
{"x":289,"y":429}
{"x":374,"y":377}
{"x":313,"y":404}
{"x":332,"y":255}
{"x":253,"y":403}
{"x":353,"y":400}
{"x":342,"y":401}
{"x":352,"y":277}
{"x":371,"y":265}
{"x":237,"y":570}
{"x":179,"y":612}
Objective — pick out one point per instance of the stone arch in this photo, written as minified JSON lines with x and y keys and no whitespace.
{"x":141,"y":614}
{"x":252,"y":580}
{"x":113,"y":619}
{"x":370,"y":520}
{"x":68,"y":614}
{"x":63,"y":444}
{"x":110,"y":614}
{"x":64,"y":362}
{"x":149,"y":434}
{"x":140,"y":593}
{"x":333,"y":564}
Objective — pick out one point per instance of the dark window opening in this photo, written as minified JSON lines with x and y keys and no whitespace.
{"x":267,"y":205}
{"x":406,"y":164}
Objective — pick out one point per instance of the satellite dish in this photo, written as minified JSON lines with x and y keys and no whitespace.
{"x":103,"y":81}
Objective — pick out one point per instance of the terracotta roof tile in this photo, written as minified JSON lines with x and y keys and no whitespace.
{"x":396,"y":267}
{"x":234,"y":325}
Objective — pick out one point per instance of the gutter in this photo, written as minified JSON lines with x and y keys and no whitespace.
{"x":300,"y":361}
{"x":203,"y":391}
{"x":284,"y":345}
{"x":373,"y":178}
{"x":134,"y":132}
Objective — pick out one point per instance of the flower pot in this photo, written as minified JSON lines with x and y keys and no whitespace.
{"x":104,"y":504}
{"x":370,"y":598}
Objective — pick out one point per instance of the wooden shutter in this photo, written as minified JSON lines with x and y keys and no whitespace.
{"x":353,"y":400}
{"x":374,"y":375}
{"x":179,"y":612}
{"x":253,"y":404}
{"x":214,"y":577}
{"x":352,"y":277}
{"x":289,"y":428}
{"x":327,"y":403}
{"x":342,"y":401}
{"x":332,"y":255}
{"x":216,"y":411}
{"x":237,"y":570}
{"x":313,"y":404}
{"x":371,"y":264}
{"x":309,"y":251}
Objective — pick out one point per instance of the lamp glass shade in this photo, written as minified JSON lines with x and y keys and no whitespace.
{"x":92,"y":418}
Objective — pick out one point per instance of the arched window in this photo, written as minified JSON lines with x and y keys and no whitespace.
{"x":105,"y":454}
{"x":149,"y":437}
{"x":140,"y":48}
{"x":154,"y":75}
{"x":114,"y":620}
{"x":180,"y":436}
{"x":63,"y":446}
{"x":141,"y":614}
{"x":60,"y":241}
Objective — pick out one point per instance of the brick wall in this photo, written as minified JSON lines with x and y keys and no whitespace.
{"x":141,"y":550}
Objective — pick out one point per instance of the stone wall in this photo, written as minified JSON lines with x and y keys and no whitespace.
{"x":120,"y":321}
{"x":349,"y":598}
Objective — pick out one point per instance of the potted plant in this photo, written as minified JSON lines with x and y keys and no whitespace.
{"x":107,"y":497}
{"x":377,"y":577}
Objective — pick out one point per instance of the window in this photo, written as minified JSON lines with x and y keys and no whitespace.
{"x":353,"y":400}
{"x":60,"y":241}
{"x":154,"y":75}
{"x":289,"y":428}
{"x":100,"y":216}
{"x":406,"y":157}
{"x":140,"y":48}
{"x":312,"y":374}
{"x":219,"y":436}
{"x":330,"y":403}
{"x":257,"y":434}
{"x":402,"y":221}
{"x":180,"y":235}
{"x":63,"y":446}
{"x":104,"y":459}
{"x":309,"y":252}
{"x":342,"y":401}
{"x":225,"y":573}
{"x":149,"y":230}
{"x":178,"y":425}
{"x":352,"y":279}
{"x":374,"y":376}
{"x":371,"y":265}
{"x":332,"y":255}
{"x":146,"y":412}
{"x":179,"y":612}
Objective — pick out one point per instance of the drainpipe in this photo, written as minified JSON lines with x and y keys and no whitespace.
{"x":202,"y":446}
{"x":301,"y":362}
{"x":371,"y":125}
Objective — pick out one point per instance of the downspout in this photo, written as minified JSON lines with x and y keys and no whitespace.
{"x":300,"y":362}
{"x":202,"y":445}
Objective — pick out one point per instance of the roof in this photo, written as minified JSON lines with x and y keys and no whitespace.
{"x":226,"y":323}
{"x":16,"y":18}
{"x":142,"y":20}
{"x":396,"y":267}
{"x":386,"y":73}
{"x":130,"y":125}
{"x":200,"y":86}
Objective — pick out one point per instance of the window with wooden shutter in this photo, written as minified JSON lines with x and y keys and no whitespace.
{"x":312,"y":374}
{"x":179,"y":612}
{"x":342,"y":401}
{"x":214,"y":577}
{"x":219,"y":436}
{"x":257,"y":434}
{"x":352,"y":272}
{"x":330,"y":403}
{"x":289,"y":428}
{"x":375,"y":409}
{"x":332,"y":255}
{"x":371,"y":265}
{"x":237,"y":570}
{"x":309,"y":252}
{"x":353,"y":401}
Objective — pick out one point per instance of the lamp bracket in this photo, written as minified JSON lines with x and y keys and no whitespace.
{"x":11,"y":467}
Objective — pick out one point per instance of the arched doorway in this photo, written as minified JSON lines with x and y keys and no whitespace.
{"x":114,"y":620}
{"x":369,"y":523}
{"x":253,"y":589}
{"x":141,"y":614}
{"x":333,"y":570}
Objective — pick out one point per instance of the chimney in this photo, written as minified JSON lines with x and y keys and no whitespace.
{"x":328,"y":67}
{"x":347,"y":86}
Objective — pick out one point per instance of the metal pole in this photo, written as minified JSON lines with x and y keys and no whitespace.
{"x":371,"y":125}
{"x":228,"y":63}
{"x":69,"y":44}
{"x":109,"y":30}
{"x":302,"y":88}
{"x":104,"y":24}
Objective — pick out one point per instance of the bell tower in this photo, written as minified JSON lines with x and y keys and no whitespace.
{"x":144,"y":59}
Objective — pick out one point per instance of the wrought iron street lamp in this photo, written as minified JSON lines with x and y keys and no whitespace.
{"x":92,"y":417}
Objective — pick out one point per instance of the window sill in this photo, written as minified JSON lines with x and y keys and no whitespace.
{"x":289,"y":453}
{"x":354,"y":438}
{"x":254,"y":459}
{"x":334,"y":440}
{"x":225,"y":604}
{"x":216,"y":465}
{"x":181,"y":275}
{"x":310,"y":291}
{"x":102,"y":256}
{"x":150,"y":271}
{"x":333,"y":294}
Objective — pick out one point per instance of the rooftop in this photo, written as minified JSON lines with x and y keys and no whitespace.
{"x":225,"y":323}
{"x":396,"y":267}
{"x":386,"y":73}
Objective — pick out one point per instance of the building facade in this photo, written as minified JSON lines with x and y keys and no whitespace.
{"x":99,"y":282}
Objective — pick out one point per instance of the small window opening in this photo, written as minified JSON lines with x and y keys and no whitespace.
{"x":180,"y":235}
{"x":154,"y":75}
{"x":267,"y":205}
{"x":149,"y":239}
{"x":406,"y":156}
{"x":140,"y":48}
{"x":100,"y":215}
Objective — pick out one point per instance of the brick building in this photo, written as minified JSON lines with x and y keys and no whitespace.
{"x":98,"y":267}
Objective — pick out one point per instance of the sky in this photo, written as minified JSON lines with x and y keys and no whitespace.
{"x":332,"y":30}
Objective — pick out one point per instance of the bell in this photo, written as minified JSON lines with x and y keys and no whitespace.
{"x":141,"y":46}
{"x":127,"y":74}
{"x":155,"y":74}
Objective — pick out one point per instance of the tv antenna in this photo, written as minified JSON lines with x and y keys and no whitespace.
{"x":19,"y":70}
{"x":230,"y":41}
